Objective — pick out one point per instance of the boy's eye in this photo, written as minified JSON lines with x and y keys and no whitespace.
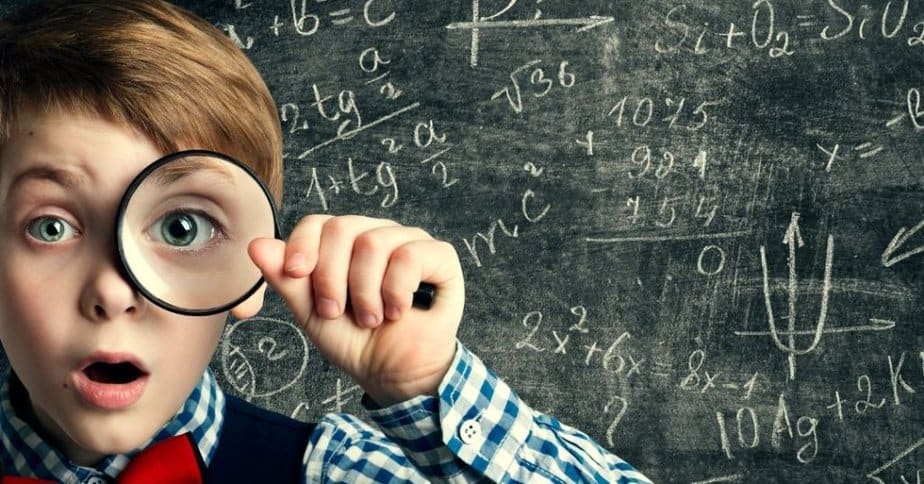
{"x":50,"y":229}
{"x":184,"y":229}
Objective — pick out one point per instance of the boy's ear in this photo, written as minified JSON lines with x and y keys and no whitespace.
{"x":249,"y":307}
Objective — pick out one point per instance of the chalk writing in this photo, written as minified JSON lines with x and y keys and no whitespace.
{"x":663,"y":213}
{"x":890,"y":22}
{"x":889,"y":255}
{"x":764,"y":34}
{"x":642,"y":111}
{"x":489,"y":22}
{"x":620,"y":404}
{"x":249,"y":343}
{"x":231,"y":30}
{"x":719,"y":260}
{"x":531,"y":209}
{"x":537,"y":78}
{"x":343,"y":111}
{"x":336,"y":402}
{"x":380,"y":182}
{"x":748,"y":431}
{"x":307,"y":23}
{"x":489,"y":239}
{"x":915,"y":109}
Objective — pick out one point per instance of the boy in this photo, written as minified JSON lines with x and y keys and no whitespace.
{"x":91,"y":92}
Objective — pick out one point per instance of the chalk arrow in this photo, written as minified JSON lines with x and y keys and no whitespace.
{"x":793,"y":235}
{"x":587,"y":23}
{"x":889,"y":256}
{"x":793,"y":238}
{"x":596,"y":21}
{"x":875,"y":324}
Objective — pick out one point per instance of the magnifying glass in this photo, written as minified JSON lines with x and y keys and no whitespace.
{"x":183,"y":228}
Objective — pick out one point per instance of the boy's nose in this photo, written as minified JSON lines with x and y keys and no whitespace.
{"x":108,"y":295}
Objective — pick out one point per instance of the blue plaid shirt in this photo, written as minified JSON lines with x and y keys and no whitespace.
{"x":476,"y":429}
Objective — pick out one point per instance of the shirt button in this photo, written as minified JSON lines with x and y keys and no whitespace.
{"x":470,"y":432}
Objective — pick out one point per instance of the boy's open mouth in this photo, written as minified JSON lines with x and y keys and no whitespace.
{"x":110,"y":380}
{"x":113,"y":373}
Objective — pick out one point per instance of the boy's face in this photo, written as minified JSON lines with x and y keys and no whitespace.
{"x":104,"y":368}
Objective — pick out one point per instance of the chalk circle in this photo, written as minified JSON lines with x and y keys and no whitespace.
{"x":261,"y":357}
{"x":718,"y":267}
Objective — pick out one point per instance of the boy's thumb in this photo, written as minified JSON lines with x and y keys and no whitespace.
{"x":269,"y":256}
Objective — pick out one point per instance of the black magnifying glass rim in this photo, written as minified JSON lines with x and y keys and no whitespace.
{"x":123,"y":205}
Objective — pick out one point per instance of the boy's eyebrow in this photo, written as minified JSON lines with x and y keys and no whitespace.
{"x":192,"y":165}
{"x":67,"y":179}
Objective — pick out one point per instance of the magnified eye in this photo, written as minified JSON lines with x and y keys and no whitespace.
{"x":185,"y":229}
{"x":50,"y":229}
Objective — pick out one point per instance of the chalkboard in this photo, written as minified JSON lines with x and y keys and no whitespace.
{"x":692,"y":231}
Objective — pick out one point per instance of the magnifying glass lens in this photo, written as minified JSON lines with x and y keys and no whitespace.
{"x":184,"y":227}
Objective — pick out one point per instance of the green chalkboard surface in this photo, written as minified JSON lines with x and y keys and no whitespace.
{"x":693,"y":230}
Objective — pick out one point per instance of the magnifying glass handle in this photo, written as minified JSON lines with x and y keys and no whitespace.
{"x":423,"y":296}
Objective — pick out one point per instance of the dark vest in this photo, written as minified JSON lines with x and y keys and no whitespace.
{"x":257,"y":445}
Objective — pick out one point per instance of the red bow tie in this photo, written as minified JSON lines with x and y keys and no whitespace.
{"x":175,"y":460}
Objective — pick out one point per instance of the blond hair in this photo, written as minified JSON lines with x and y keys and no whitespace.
{"x":147,"y":64}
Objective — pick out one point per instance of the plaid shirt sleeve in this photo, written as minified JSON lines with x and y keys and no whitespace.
{"x":476,"y":430}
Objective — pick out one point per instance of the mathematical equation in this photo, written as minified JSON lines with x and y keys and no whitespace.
{"x":748,"y":426}
{"x":764,"y":33}
{"x":306,"y":19}
{"x":342,"y":111}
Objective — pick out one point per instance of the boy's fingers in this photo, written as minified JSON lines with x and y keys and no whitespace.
{"x":371,"y":253}
{"x":380,"y":262}
{"x":301,"y":255}
{"x":432,"y":261}
{"x":269,"y":256}
{"x":445,"y":270}
{"x":401,"y":279}
{"x":329,"y":279}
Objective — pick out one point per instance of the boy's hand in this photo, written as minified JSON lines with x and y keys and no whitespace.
{"x":392,"y":350}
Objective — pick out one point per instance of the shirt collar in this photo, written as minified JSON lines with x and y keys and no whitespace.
{"x":24,"y":452}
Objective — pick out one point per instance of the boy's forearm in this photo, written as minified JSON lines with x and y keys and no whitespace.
{"x":425,"y":382}
{"x":478,"y":427}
